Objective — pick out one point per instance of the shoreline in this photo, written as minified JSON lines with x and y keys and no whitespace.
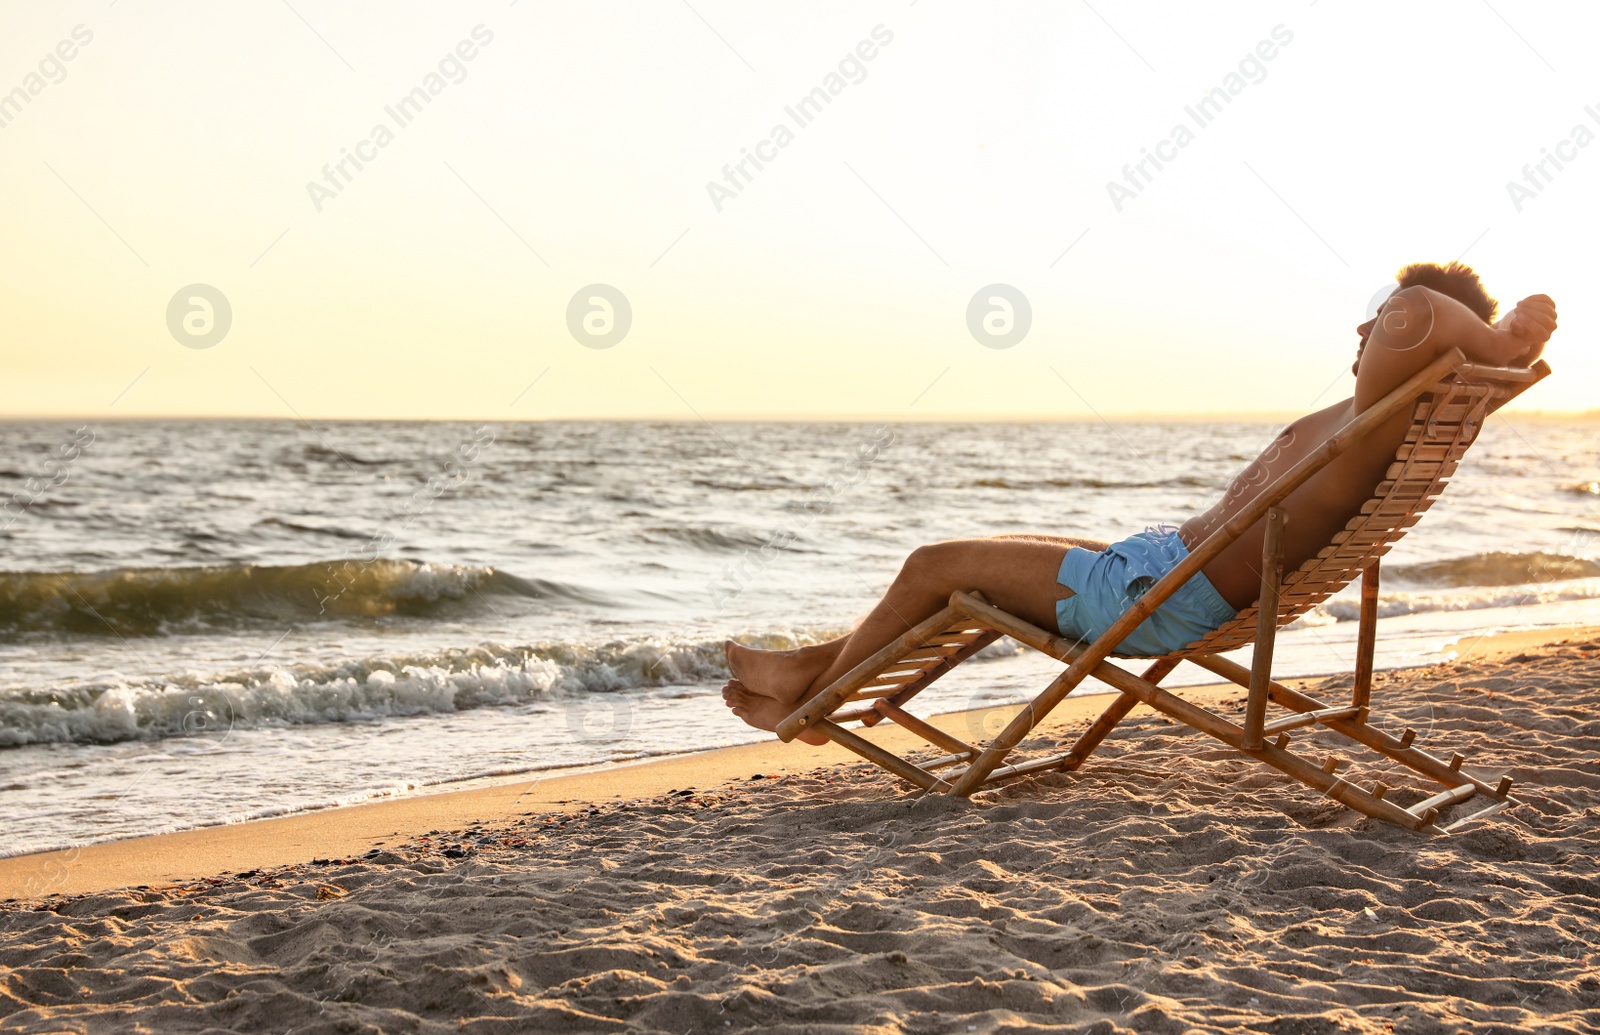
{"x":348,"y":832}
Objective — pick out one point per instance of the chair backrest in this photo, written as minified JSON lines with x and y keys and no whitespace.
{"x":1445,"y":421}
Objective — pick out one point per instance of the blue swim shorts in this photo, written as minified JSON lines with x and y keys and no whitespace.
{"x":1105,"y":584}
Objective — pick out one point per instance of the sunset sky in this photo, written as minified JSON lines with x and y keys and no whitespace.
{"x":556,"y":146}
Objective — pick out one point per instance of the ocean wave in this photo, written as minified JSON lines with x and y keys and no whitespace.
{"x":334,"y":531}
{"x":1493,"y":569}
{"x":156,"y":601}
{"x":724,"y":486}
{"x":325,"y":454}
{"x":112,"y":709}
{"x":710,"y":539}
{"x":1390,"y":605}
{"x":1185,"y":481}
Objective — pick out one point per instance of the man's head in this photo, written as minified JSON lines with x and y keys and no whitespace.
{"x":1453,"y":279}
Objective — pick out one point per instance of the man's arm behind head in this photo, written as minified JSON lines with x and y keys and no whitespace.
{"x":1418,"y":324}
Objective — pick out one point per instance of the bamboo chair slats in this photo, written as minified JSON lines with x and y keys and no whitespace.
{"x":1444,"y":423}
{"x":1448,"y":402}
{"x":904,"y":669}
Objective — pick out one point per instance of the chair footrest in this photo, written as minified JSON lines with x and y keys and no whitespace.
{"x":944,"y":760}
{"x":1007,"y":772}
{"x":1427,"y":810}
{"x":852,"y":714}
{"x":1293,"y":722}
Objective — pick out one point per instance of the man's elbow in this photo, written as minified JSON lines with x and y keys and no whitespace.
{"x":1407,"y":320}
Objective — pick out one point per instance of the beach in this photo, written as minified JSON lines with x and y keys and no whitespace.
{"x":437,"y":455}
{"x":1167,"y":886}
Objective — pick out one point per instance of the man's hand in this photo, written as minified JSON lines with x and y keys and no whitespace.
{"x":1525,"y":329}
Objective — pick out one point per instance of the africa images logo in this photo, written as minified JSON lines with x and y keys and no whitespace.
{"x":1539,"y":175}
{"x":451,"y":70}
{"x":852,"y":69}
{"x":1251,"y":69}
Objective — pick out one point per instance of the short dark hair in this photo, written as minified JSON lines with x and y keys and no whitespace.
{"x":1453,"y":279}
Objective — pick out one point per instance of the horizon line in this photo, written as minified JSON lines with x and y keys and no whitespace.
{"x":1132,"y":417}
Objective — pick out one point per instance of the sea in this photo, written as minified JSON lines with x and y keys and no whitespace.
{"x":206,"y":622}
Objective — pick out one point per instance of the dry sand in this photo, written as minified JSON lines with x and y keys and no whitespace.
{"x":1169,"y":886}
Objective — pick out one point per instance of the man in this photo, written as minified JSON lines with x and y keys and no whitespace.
{"x":1080,"y":586}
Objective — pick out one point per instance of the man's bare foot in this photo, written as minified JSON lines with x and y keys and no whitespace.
{"x":761,"y":711}
{"x":783,"y":675}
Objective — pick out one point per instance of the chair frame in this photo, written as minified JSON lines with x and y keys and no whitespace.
{"x":1450,"y":399}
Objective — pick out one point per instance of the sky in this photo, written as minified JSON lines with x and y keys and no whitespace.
{"x":956,"y":226}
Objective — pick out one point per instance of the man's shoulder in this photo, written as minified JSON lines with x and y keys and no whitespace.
{"x":1326,"y":420}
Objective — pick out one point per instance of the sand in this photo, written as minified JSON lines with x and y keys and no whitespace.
{"x":1169,"y":886}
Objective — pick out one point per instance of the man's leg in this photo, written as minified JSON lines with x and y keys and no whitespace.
{"x":776,"y":673}
{"x":1062,"y":540}
{"x":1016,"y":574}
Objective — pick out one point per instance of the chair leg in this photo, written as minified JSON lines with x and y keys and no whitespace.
{"x":1321,"y":778}
{"x":1118,"y":710}
{"x":1399,"y":749}
{"x":1366,"y":639}
{"x":1255,"y":712}
{"x":1090,"y":739}
{"x":907,"y":771}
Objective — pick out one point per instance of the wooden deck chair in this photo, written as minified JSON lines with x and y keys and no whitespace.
{"x":1449,"y":401}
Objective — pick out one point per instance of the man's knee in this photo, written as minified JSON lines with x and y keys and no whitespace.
{"x":933,"y":563}
{"x":920,"y":559}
